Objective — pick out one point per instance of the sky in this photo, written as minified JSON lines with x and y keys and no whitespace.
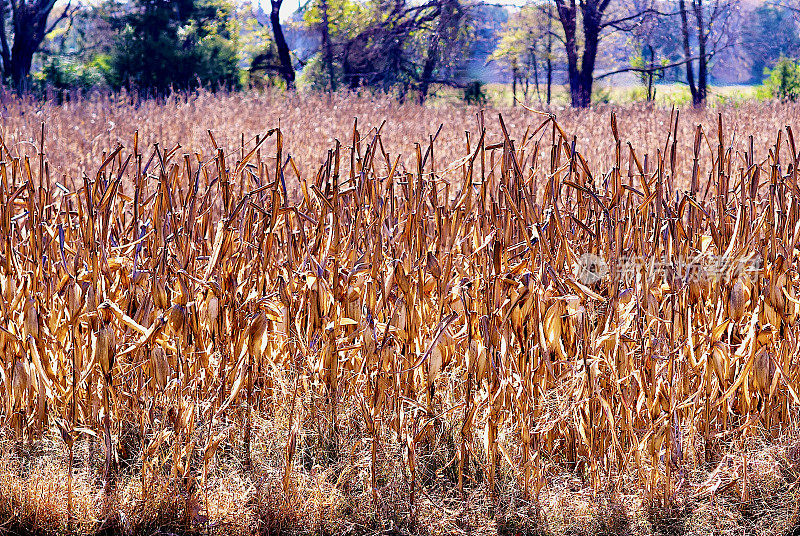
{"x":287,"y":8}
{"x":290,"y":6}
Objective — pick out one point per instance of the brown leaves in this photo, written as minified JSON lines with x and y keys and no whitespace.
{"x":371,"y":279}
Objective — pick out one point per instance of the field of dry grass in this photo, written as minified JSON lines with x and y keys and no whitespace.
{"x":241,"y":314}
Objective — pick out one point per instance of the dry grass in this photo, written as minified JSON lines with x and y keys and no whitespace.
{"x":248,"y":314}
{"x":82,"y":130}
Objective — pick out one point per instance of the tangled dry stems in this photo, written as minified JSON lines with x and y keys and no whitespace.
{"x":212,"y":324}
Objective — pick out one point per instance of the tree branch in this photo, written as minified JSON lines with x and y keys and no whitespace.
{"x":64,"y":14}
{"x":649,"y":70}
{"x":648,"y":11}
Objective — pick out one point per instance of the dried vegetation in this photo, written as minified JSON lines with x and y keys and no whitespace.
{"x":240,"y":314}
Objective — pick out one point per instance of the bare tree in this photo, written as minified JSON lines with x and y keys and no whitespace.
{"x":29,"y":25}
{"x":404,"y":46}
{"x":713,"y":32}
{"x":450,"y":15}
{"x":526,"y":47}
{"x":594,"y":16}
{"x":549,"y":52}
{"x":580,"y":76}
{"x":654,"y":43}
{"x":284,"y":55}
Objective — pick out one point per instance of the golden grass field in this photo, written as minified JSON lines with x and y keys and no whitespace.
{"x":265,"y":313}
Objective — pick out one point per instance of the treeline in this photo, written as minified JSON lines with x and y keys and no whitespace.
{"x":157,"y":46}
{"x":151,"y":46}
{"x":693,"y":42}
{"x":406,"y":47}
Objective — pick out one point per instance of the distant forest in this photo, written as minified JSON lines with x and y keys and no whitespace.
{"x":408,"y":48}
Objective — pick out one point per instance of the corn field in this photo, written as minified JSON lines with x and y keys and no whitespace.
{"x":480,"y":331}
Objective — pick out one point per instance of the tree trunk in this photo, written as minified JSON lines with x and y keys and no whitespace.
{"x":687,"y":53}
{"x":514,"y":86}
{"x":702,"y":60}
{"x":350,"y":78}
{"x":527,"y":83}
{"x":549,"y":51}
{"x":592,"y":20}
{"x":428,"y":67}
{"x":650,"y":95}
{"x":567,"y":15}
{"x":29,"y":21}
{"x":22,"y":53}
{"x":4,"y":50}
{"x":27,"y":38}
{"x":284,"y":55}
{"x":581,"y":78}
{"x":449,"y":18}
{"x":536,"y":78}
